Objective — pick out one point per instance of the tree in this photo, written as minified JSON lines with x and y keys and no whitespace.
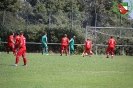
{"x":9,"y":5}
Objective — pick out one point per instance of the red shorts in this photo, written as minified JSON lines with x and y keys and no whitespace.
{"x":110,"y":49}
{"x":16,"y":46}
{"x":87,"y":50}
{"x":10,"y":46}
{"x":21,"y":52}
{"x":64,"y":47}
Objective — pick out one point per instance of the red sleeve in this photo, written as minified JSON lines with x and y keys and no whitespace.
{"x":10,"y":38}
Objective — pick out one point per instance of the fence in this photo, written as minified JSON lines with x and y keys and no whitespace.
{"x":100,"y":36}
{"x":71,"y":23}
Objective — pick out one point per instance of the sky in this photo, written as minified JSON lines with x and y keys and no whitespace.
{"x":131,"y":14}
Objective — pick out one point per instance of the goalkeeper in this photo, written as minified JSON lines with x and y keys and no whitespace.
{"x":71,"y":45}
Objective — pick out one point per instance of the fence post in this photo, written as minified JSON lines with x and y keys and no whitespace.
{"x":123,"y":51}
{"x":96,"y":49}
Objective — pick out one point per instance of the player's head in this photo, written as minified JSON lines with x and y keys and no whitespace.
{"x":88,"y":39}
{"x":45,"y":33}
{"x":12,"y":33}
{"x":65,"y":35}
{"x":21,"y":33}
{"x":18,"y":33}
{"x":74,"y":37}
{"x":111,"y":36}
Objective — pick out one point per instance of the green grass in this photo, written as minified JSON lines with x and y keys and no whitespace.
{"x":56,"y":71}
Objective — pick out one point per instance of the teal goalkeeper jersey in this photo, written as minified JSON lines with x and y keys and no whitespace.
{"x":71,"y":42}
{"x":44,"y":39}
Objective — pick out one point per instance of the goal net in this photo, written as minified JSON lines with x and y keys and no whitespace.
{"x":100,"y":36}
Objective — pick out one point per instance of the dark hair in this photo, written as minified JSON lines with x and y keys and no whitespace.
{"x":21,"y":32}
{"x":12,"y":33}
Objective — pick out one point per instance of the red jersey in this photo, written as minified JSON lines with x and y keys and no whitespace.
{"x":22,"y":40}
{"x":111,"y":43}
{"x":88,"y":44}
{"x":17,"y":39}
{"x":64,"y":41}
{"x":10,"y":39}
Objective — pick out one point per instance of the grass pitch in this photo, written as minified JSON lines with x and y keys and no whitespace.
{"x":54,"y":71}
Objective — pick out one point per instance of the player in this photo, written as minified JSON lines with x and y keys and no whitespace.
{"x":16,"y":43}
{"x":44,"y":44}
{"x":64,"y":44}
{"x":88,"y":47}
{"x":111,"y":46}
{"x":71,"y":45}
{"x":10,"y":43}
{"x":21,"y":50}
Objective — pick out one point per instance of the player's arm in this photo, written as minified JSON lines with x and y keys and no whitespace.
{"x":20,"y":43}
{"x":46,"y":40}
{"x":11,"y":39}
{"x":70,"y":40}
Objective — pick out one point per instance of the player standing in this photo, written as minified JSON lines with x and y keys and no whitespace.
{"x":44,"y":44}
{"x":10,"y":43}
{"x":71,"y":45}
{"x":16,"y":43}
{"x":88,"y":47}
{"x":21,"y":50}
{"x":64,"y":44}
{"x":111,"y":46}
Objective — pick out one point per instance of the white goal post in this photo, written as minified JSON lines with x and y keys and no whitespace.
{"x":100,"y":35}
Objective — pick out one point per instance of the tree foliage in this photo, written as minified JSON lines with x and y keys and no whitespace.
{"x":57,"y":17}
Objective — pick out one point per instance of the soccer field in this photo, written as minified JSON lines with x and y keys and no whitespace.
{"x":55,"y":71}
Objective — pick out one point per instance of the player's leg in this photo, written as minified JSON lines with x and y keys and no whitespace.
{"x":46,"y":49}
{"x":62,"y":49}
{"x":107,"y":52}
{"x":71,"y":50}
{"x":84,"y":52}
{"x":66,"y":50}
{"x":15,"y":50}
{"x":112,"y":52}
{"x":20,"y":52}
{"x":89,"y":52}
{"x":43,"y":48}
{"x":24,"y":58}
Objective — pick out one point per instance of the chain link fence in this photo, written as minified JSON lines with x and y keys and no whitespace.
{"x":100,"y":36}
{"x":56,"y":24}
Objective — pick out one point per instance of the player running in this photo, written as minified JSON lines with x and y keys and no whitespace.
{"x":71,"y":45}
{"x":21,"y":50}
{"x":111,"y":46}
{"x":64,"y":44}
{"x":88,"y":47}
{"x":44,"y":44}
{"x":10,"y":43}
